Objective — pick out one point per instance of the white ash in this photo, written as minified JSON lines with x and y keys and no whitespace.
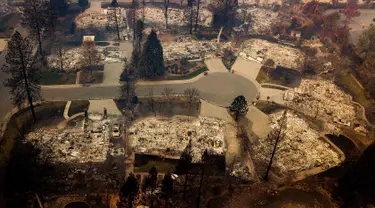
{"x":176,"y":17}
{"x":187,"y":47}
{"x":256,"y":21}
{"x":91,"y":19}
{"x":75,"y":144}
{"x":301,"y":149}
{"x":324,"y":100}
{"x":262,"y":50}
{"x":72,"y":58}
{"x":170,"y":136}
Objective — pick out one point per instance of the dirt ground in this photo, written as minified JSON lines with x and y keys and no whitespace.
{"x":262,"y":195}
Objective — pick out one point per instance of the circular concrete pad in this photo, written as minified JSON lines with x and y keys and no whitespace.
{"x":222,"y":88}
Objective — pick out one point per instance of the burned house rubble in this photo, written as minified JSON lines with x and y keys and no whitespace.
{"x":324,"y":100}
{"x":169,"y":137}
{"x":302,"y":148}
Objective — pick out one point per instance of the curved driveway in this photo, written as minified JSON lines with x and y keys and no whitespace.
{"x":218,"y":88}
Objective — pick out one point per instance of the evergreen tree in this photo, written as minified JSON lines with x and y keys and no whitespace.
{"x":151,"y":183}
{"x":190,"y":14}
{"x":139,"y":35}
{"x":239,"y":106}
{"x":357,"y":184}
{"x":135,"y":58}
{"x":129,"y":191}
{"x":197,"y":15}
{"x":224,"y":12}
{"x":114,"y":17}
{"x":167,"y":187}
{"x":38,"y":18}
{"x":206,"y":165}
{"x":129,"y":79}
{"x":73,"y":28}
{"x":133,"y":17}
{"x":184,"y":164}
{"x":152,"y":60}
{"x":83,"y":4}
{"x":166,"y":4}
{"x":24,"y":79}
{"x":51,"y":20}
{"x":60,"y":7}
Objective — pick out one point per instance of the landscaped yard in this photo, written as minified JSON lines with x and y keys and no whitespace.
{"x":56,"y":78}
{"x":190,"y":75}
{"x":280,"y":76}
{"x":179,"y":71}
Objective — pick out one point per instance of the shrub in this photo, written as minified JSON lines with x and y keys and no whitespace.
{"x":184,"y":61}
{"x":73,"y":27}
{"x":269,"y":63}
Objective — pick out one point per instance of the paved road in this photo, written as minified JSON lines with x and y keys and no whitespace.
{"x":218,"y":88}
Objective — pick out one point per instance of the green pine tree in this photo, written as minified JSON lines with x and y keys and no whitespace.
{"x":39,"y":19}
{"x":152,"y":60}
{"x":24,"y":78}
{"x":239,"y":106}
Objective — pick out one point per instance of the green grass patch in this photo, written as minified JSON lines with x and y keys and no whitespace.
{"x":55,"y":78}
{"x":190,"y":75}
{"x":349,"y":85}
{"x":78,"y":106}
{"x":263,"y":77}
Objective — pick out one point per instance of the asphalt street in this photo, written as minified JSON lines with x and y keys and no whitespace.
{"x":217,"y":88}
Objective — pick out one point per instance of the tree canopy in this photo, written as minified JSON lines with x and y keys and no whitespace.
{"x":90,"y":56}
{"x":59,"y":6}
{"x":83,"y":3}
{"x":39,"y":19}
{"x":24,"y":78}
{"x":239,"y":106}
{"x":130,"y":190}
{"x":358,"y":183}
{"x":152,"y":60}
{"x":224,"y":12}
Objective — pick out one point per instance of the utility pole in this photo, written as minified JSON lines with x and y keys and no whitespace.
{"x":276,"y":135}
